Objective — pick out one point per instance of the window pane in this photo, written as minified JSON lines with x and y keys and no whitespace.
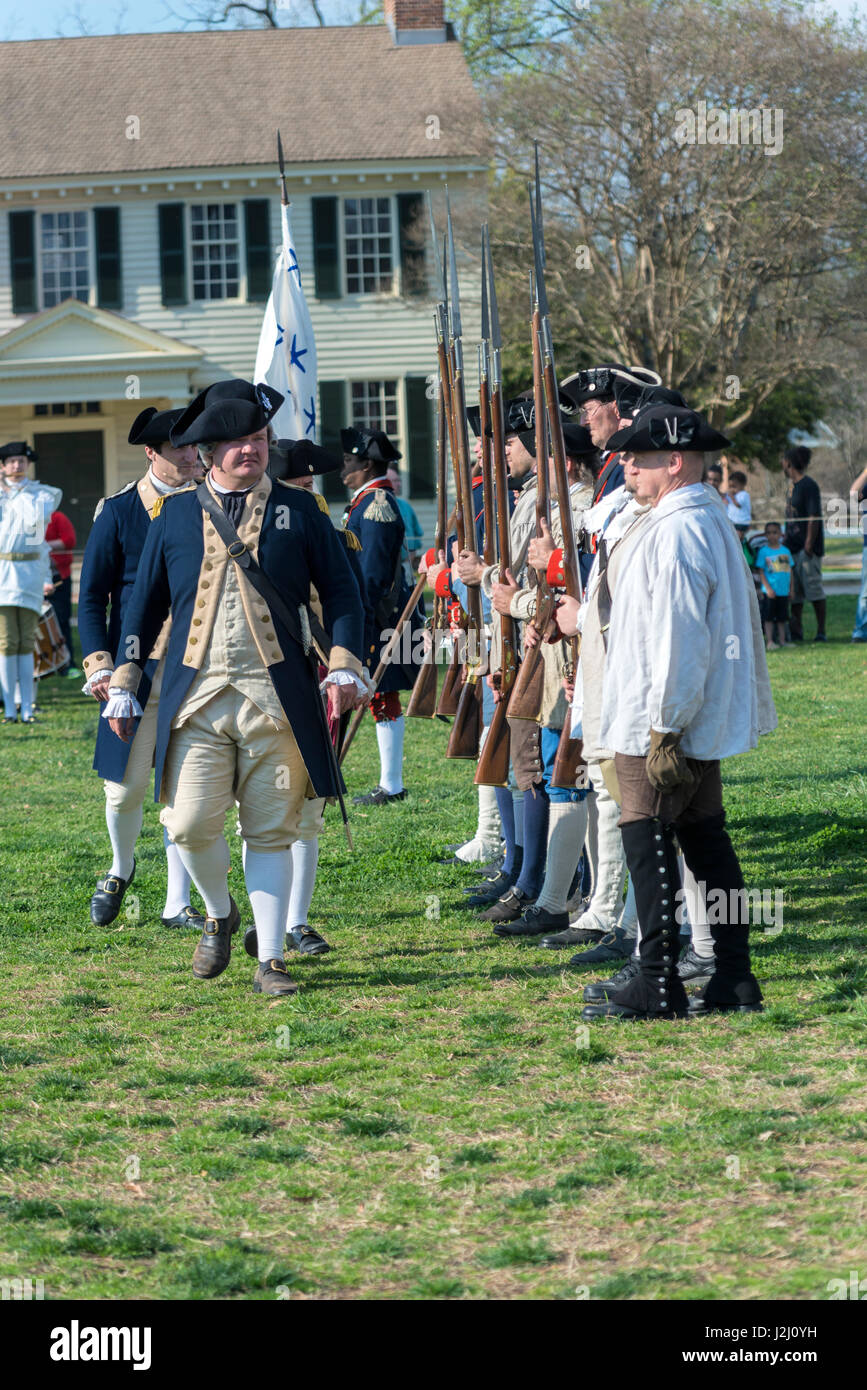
{"x":367,"y":241}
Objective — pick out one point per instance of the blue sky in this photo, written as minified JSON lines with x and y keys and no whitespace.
{"x":45,"y":19}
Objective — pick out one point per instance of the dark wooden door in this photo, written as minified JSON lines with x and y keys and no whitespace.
{"x":74,"y":462}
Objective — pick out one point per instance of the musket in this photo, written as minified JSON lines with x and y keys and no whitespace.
{"x":466,"y":730}
{"x":568,"y":762}
{"x":422,"y":702}
{"x":493,"y":768}
{"x":378,"y":674}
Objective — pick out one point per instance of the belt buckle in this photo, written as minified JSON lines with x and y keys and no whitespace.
{"x":237,"y":549}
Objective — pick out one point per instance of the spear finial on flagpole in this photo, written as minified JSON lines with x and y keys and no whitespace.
{"x":284,"y":197}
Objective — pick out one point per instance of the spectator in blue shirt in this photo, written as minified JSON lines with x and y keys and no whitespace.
{"x":414,"y":533}
{"x":775,"y":565}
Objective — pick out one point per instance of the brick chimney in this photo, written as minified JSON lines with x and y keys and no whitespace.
{"x":416,"y":21}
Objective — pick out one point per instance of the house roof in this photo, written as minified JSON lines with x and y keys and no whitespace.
{"x":211,"y":99}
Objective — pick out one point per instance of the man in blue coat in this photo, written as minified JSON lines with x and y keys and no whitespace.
{"x":240,"y":715}
{"x":111,"y":558}
{"x":374,"y":517}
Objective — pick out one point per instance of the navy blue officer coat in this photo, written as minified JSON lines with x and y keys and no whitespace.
{"x":181,"y":569}
{"x":111,"y":558}
{"x":374,"y":517}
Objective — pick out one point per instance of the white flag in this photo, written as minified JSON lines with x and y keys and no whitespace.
{"x":286,"y":358}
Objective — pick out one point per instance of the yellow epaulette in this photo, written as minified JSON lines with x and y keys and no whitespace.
{"x":321,"y":503}
{"x":164,"y":497}
{"x":350,"y":538}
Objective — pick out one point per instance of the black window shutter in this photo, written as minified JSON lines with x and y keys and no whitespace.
{"x":257,"y":234}
{"x":421,"y":442}
{"x":332,"y":419}
{"x":109,"y":286}
{"x":410,"y":216}
{"x":22,"y":258}
{"x":173,"y":260}
{"x":326,"y":266}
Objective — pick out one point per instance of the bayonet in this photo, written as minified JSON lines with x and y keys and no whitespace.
{"x":283,"y":194}
{"x":441,"y":284}
{"x":455,"y":301}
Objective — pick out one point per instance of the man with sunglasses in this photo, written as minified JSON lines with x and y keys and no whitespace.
{"x":685,"y":685}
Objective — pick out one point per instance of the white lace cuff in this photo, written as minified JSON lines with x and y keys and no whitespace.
{"x":362,"y":683}
{"x":87,"y":688}
{"x":121,"y":705}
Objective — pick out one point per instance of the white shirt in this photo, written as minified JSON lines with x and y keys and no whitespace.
{"x":740,"y":509}
{"x":25,"y":511}
{"x":685,"y":653}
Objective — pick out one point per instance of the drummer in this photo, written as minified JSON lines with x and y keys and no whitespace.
{"x":25,"y":573}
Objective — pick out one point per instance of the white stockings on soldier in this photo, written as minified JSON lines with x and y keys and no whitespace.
{"x":567,"y":827}
{"x":209,"y":870}
{"x":268,"y":877}
{"x":305,"y":857}
{"x":389,"y":737}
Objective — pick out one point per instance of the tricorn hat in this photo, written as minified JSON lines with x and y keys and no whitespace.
{"x":153,"y":426}
{"x":598,"y":383}
{"x":226,"y":410}
{"x":19,"y":448}
{"x":300,"y":458}
{"x":661,"y":428}
{"x":575,"y":437}
{"x":371,"y":445}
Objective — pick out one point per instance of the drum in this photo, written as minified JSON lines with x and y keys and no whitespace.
{"x":50,"y":652}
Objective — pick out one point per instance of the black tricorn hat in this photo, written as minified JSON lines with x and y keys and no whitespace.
{"x":372,"y":445}
{"x":474,"y":420}
{"x":153,"y":426}
{"x":226,"y":410}
{"x":658,"y":395}
{"x":661,"y":428}
{"x":300,"y":458}
{"x":598,"y":383}
{"x":576,"y":438}
{"x":19,"y":448}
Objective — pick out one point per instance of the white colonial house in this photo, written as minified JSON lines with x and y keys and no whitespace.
{"x":140,"y":218}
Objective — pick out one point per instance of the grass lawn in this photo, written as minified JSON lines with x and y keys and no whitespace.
{"x":427,"y":1118}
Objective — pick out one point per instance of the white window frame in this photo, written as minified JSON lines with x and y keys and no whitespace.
{"x":238,"y":204}
{"x":395,"y":290}
{"x":91,"y":254}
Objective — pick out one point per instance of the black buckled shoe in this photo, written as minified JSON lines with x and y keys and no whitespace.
{"x":692,"y":966}
{"x":571,"y":936}
{"x":187,"y":917}
{"x":214,"y":949}
{"x":614,"y":945}
{"x":508,"y":907}
{"x":603,"y":989}
{"x":534,"y":922}
{"x":106,"y":901}
{"x":379,"y":797}
{"x":489,"y":891}
{"x":307,"y":941}
{"x":273,"y":978}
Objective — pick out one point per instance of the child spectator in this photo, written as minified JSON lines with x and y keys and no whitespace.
{"x":738,"y":502}
{"x":775,"y":565}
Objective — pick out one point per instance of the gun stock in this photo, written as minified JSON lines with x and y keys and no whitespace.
{"x":451,"y":691}
{"x":493,"y":768}
{"x":467,"y":728}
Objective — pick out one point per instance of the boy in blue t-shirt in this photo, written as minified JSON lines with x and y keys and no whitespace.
{"x":775,"y":565}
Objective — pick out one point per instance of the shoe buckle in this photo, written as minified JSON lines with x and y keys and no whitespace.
{"x":279,"y":967}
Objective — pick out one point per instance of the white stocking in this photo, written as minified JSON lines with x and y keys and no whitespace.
{"x":8,"y":677}
{"x":269,"y":886}
{"x":567,"y":826}
{"x":209,"y":870}
{"x":124,"y":828}
{"x":305,"y":858}
{"x":177,"y":880}
{"x":389,"y":736}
